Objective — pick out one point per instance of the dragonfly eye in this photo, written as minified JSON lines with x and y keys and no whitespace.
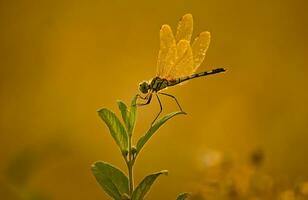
{"x":144,"y":87}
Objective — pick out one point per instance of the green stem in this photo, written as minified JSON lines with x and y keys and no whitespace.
{"x":130,"y":164}
{"x":131,"y":181}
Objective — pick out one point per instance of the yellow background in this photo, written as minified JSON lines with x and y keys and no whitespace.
{"x":61,"y":61}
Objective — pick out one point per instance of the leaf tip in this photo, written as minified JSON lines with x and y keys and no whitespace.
{"x":96,"y":163}
{"x":102,"y":110}
{"x":183,"y":196}
{"x":164,"y":172}
{"x":120,"y":102}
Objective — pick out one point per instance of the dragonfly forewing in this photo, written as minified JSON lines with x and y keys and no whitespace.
{"x":167,"y":52}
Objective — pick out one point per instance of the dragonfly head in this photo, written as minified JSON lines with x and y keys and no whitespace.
{"x":144,"y":87}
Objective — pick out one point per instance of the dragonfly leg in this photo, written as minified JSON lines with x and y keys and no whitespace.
{"x":161,"y":109}
{"x":141,"y":97}
{"x":148,"y":98}
{"x":173,"y":97}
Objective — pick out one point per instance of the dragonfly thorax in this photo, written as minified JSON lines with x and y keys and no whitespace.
{"x":158,"y":84}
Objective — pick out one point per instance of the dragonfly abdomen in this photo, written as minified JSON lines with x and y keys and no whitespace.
{"x":185,"y":78}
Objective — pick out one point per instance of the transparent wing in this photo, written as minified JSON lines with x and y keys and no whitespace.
{"x":184,"y":64}
{"x":185,"y":28}
{"x":167,"y":52}
{"x":199,"y":48}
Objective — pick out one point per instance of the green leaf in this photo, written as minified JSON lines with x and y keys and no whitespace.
{"x":124,"y":112}
{"x":128,"y":115}
{"x":145,"y":185}
{"x":116,"y":128}
{"x":112,"y":180}
{"x":183,"y":196}
{"x":141,"y":142}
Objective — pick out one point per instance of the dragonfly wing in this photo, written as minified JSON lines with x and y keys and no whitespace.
{"x":184,"y":62}
{"x":167,"y":52}
{"x":185,"y":28}
{"x":199,"y":48}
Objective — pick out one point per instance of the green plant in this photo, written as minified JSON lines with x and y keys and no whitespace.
{"x":114,"y":182}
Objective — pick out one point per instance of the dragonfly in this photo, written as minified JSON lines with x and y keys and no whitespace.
{"x":177,"y":62}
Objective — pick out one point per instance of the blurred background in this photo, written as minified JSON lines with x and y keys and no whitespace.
{"x":61,"y":61}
